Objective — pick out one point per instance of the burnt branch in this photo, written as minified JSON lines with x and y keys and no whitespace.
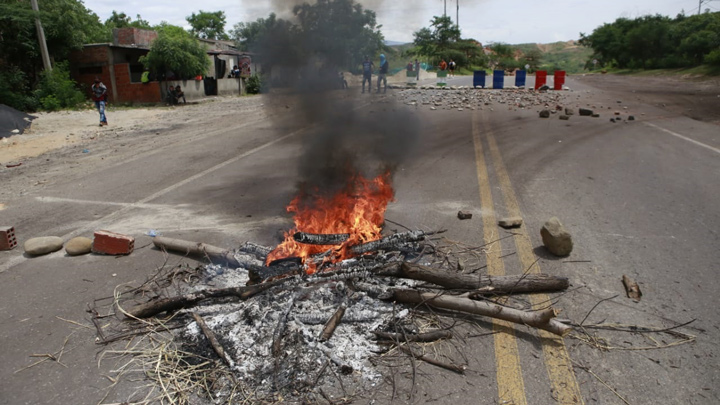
{"x":321,"y":239}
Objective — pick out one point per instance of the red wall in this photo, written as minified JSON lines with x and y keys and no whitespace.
{"x":134,"y":92}
{"x":133,"y":36}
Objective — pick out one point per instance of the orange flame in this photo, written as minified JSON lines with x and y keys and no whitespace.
{"x":358,"y":210}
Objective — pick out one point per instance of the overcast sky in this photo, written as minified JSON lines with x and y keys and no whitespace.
{"x":487,"y":21}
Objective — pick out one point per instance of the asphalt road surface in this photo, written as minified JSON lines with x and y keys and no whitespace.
{"x":639,"y":197}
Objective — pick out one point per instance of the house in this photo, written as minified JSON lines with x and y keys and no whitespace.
{"x":117,"y":65}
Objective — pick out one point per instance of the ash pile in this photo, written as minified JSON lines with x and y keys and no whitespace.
{"x":245,"y":329}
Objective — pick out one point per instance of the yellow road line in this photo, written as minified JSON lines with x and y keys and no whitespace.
{"x":557,"y":360}
{"x":511,"y":388}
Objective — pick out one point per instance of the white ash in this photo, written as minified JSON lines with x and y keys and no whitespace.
{"x":245,"y":329}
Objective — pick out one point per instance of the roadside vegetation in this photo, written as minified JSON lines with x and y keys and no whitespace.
{"x":656,"y":42}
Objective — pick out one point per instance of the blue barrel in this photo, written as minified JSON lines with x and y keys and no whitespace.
{"x":498,"y":79}
{"x":479,"y":78}
{"x":520,"y":78}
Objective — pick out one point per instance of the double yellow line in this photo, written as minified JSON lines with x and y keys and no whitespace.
{"x":511,"y":388}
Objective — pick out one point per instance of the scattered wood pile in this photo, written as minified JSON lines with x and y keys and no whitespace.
{"x":284,"y":325}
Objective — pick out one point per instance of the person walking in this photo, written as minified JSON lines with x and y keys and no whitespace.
{"x":367,"y":68}
{"x":382,"y":76}
{"x":99,"y":96}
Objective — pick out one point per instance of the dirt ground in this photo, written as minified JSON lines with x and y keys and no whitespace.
{"x":696,"y":98}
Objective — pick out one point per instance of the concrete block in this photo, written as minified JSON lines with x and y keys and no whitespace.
{"x":111,"y":243}
{"x":7,"y":238}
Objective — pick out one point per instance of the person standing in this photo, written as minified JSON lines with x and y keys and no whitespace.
{"x":451,"y":68}
{"x":382,"y":76}
{"x":99,"y":96}
{"x":417,"y":70}
{"x":443,"y":64}
{"x":367,"y":68}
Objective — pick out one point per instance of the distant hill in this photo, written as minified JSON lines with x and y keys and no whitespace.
{"x":394,"y":43}
{"x":567,"y":55}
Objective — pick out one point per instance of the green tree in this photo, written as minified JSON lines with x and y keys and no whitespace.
{"x":276,"y":41}
{"x":208,"y":25}
{"x":68,"y":24}
{"x":178,"y":51}
{"x":122,"y":20}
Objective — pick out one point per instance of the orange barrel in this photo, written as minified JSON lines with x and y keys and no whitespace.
{"x":559,"y":79}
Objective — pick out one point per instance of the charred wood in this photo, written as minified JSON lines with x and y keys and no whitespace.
{"x":217,"y":347}
{"x":332,"y":323}
{"x":538,"y":319}
{"x":390,"y":242}
{"x":420,"y":337}
{"x":256,"y":250}
{"x":280,"y":328}
{"x":152,"y":308}
{"x":321,"y":239}
{"x":261,"y":273}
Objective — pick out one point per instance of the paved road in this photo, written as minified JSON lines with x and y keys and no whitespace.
{"x":640,"y":199}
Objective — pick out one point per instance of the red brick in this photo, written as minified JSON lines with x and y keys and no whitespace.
{"x":111,"y":243}
{"x":7,"y":238}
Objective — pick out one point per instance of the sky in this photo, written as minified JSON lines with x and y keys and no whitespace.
{"x":487,"y":21}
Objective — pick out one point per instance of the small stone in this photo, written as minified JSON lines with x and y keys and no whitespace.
{"x":43,"y":245}
{"x":596,"y":115}
{"x":569,"y":111}
{"x":631,"y":118}
{"x":544,"y":114}
{"x":617,"y":112}
{"x":612,"y":120}
{"x":585,"y":112}
{"x":510,"y":222}
{"x":78,"y":246}
{"x":556,"y":238}
{"x":564,"y":117}
{"x":464,"y":214}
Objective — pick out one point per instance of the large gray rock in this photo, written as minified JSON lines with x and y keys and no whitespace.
{"x":78,"y":246}
{"x":556,"y":238}
{"x":544,"y":114}
{"x":585,"y":112}
{"x":43,"y":245}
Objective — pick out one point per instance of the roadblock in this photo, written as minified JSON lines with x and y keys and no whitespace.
{"x":498,"y":79}
{"x":442,"y":78}
{"x":540,"y":78}
{"x":559,"y":76}
{"x":479,"y":79}
{"x":520,"y":76}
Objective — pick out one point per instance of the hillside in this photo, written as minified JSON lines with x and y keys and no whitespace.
{"x":568,"y":56}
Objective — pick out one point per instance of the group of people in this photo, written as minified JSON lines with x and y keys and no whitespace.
{"x":450,"y":67}
{"x":367,"y":69}
{"x":174,"y":95}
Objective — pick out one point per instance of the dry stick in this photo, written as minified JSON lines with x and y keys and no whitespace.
{"x":421,"y":337}
{"x":213,"y":340}
{"x":539,"y":319}
{"x":595,"y":306}
{"x":600,"y":379}
{"x":332,"y":323}
{"x":451,"y":367}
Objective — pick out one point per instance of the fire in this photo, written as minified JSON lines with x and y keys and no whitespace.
{"x":357,"y":210}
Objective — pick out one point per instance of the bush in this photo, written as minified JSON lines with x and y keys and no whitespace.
{"x":254,"y":84}
{"x":57,"y":90}
{"x":713,"y":58}
{"x":13,"y":90}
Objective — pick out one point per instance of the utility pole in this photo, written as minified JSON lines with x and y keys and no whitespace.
{"x":41,"y":37}
{"x":700,"y":3}
{"x":445,"y":9}
{"x":457,"y":15}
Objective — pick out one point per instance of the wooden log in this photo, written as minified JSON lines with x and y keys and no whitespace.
{"x":451,"y":367}
{"x":321,"y":239}
{"x":190,"y":248}
{"x":152,"y":308}
{"x":538,"y":319}
{"x":489,"y":284}
{"x":332,"y":323}
{"x":259,"y":274}
{"x":632,"y":289}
